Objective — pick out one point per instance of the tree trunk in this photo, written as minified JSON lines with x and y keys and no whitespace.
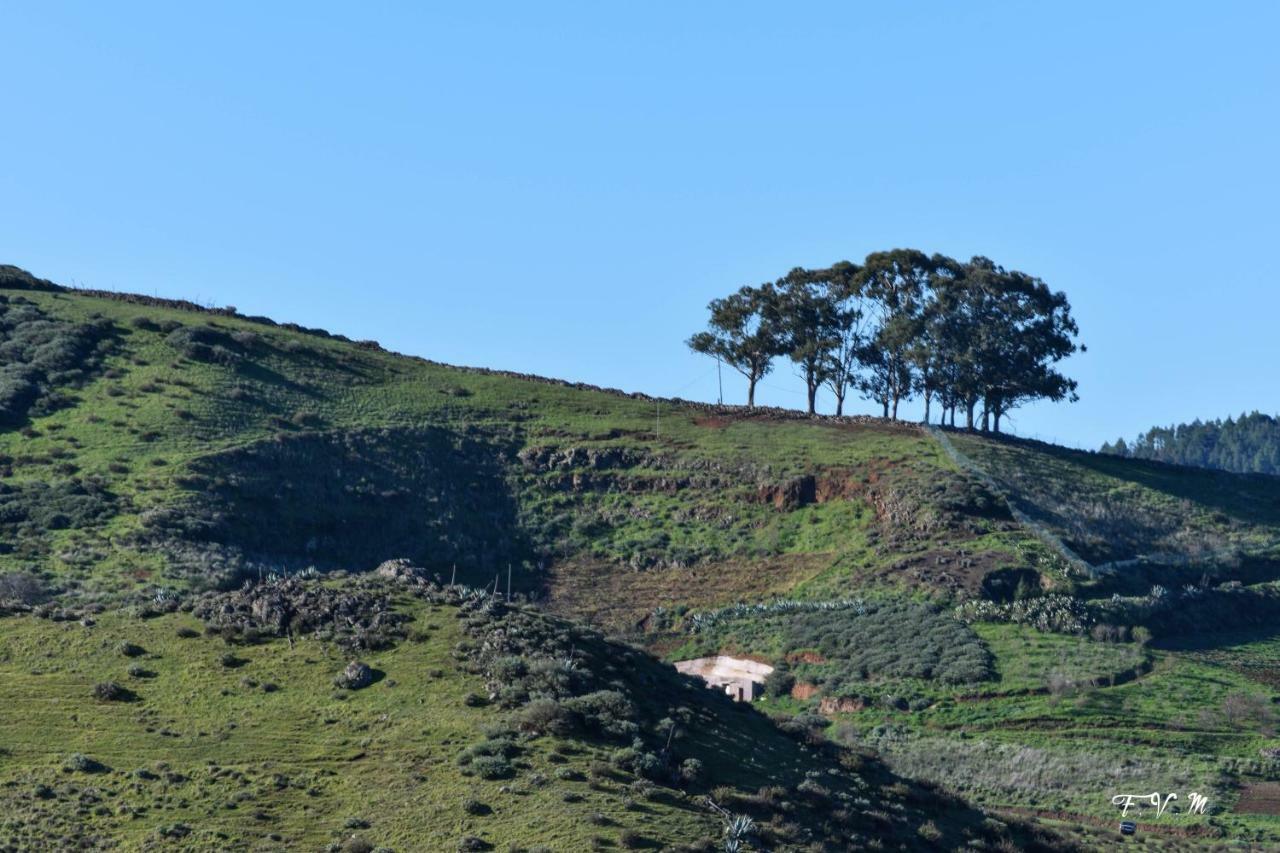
{"x":840,"y":402}
{"x":751,"y":392}
{"x":928,"y":398}
{"x":986,"y":419}
{"x":885,"y":403}
{"x":995,"y":426}
{"x":813,"y":396}
{"x":970,"y":405}
{"x":895,"y":405}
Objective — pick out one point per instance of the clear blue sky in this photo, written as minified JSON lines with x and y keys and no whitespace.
{"x":560,"y":189}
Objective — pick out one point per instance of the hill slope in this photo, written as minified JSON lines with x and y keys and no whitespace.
{"x":481,"y":726}
{"x":156,"y":455}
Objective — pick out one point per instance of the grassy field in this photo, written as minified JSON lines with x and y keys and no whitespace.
{"x":207,"y":747}
{"x":222,"y":746}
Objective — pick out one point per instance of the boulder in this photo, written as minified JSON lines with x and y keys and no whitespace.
{"x":356,"y":676}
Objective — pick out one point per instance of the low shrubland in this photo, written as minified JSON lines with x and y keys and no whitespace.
{"x":847,"y":648}
{"x":42,"y":358}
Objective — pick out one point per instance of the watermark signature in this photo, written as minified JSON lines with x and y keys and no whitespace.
{"x":1196,"y":803}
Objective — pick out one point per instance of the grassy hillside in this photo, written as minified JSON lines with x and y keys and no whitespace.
{"x":1034,"y":627}
{"x":204,"y":449}
{"x":220,"y":735}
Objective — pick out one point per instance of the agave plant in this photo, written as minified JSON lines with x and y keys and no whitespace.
{"x":699,"y":622}
{"x":739,"y":828}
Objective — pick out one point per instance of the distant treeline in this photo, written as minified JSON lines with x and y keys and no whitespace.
{"x":972,"y":336}
{"x":1249,"y":444}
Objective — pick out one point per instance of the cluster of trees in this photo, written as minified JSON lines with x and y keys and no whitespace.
{"x":1249,"y":444}
{"x":972,"y":336}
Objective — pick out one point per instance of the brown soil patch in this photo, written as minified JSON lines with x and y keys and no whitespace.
{"x":621,"y":598}
{"x":831,"y":485}
{"x":712,"y":422}
{"x":804,"y":690}
{"x":1259,"y":798}
{"x":806,"y":656}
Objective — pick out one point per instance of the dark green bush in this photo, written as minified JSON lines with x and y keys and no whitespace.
{"x":492,"y":767}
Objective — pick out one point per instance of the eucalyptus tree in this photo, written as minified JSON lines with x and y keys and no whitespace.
{"x":936,"y":352}
{"x":806,"y":318}
{"x":1019,"y":330}
{"x":895,"y":284}
{"x":743,"y":333}
{"x":850,"y":318}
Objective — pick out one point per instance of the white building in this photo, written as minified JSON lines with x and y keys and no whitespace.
{"x":741,"y":679}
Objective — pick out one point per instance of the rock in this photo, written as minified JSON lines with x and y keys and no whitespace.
{"x":356,"y":676}
{"x":400,"y":570}
{"x":840,"y":705}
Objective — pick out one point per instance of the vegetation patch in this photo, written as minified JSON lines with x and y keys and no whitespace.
{"x":845,"y":648}
{"x":43,"y":357}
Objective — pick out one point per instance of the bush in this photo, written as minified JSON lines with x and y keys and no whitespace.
{"x":606,"y":711}
{"x":629,"y":839}
{"x":111,"y":691}
{"x":492,"y":767}
{"x":40,"y":356}
{"x":130,"y":650}
{"x":23,"y":587}
{"x":779,"y":682}
{"x":692,"y":771}
{"x":79,"y":763}
{"x":545,"y":716}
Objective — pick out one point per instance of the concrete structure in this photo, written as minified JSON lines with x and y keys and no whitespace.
{"x":741,"y":679}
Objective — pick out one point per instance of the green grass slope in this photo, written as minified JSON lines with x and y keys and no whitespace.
{"x":201,"y":449}
{"x":224,"y":736}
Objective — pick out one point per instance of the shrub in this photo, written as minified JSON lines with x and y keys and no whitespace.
{"x":130,"y":650}
{"x":79,"y":763}
{"x":606,"y":711}
{"x":545,"y":716}
{"x":692,"y":771}
{"x":21,"y":586}
{"x":780,"y":681}
{"x":492,"y":767}
{"x":630,"y":839}
{"x":111,"y":691}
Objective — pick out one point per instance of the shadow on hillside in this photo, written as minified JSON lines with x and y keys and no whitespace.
{"x":352,"y":499}
{"x":1253,"y":498}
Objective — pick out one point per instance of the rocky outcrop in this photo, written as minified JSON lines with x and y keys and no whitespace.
{"x":357,"y":615}
{"x":832,"y":705}
{"x":356,"y":676}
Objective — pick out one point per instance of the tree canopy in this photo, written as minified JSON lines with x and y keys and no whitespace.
{"x":1249,"y":444}
{"x":973,"y":336}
